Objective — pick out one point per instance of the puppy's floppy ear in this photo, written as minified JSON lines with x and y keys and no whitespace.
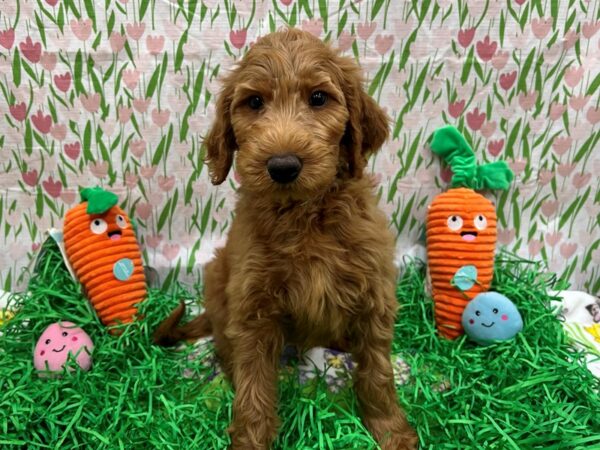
{"x":220,"y":141}
{"x":367,"y":128}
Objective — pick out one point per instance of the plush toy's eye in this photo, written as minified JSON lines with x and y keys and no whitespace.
{"x":65,"y":334}
{"x":495,"y":310}
{"x":121,"y":222}
{"x":317,"y":98}
{"x":455,"y":223}
{"x":48,"y":341}
{"x":98,"y":226}
{"x":255,"y":102}
{"x":477,"y":313}
{"x":480,"y":222}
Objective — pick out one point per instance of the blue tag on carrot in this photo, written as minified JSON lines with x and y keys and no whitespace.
{"x":123,"y":269}
{"x":465,"y":277}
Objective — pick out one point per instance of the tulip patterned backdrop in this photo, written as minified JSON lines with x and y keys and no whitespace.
{"x":119,"y":93}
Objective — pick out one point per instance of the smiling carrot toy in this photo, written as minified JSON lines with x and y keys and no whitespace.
{"x":461,"y":230}
{"x":102,"y":249}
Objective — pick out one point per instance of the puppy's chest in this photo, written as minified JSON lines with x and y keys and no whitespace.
{"x":319,"y":285}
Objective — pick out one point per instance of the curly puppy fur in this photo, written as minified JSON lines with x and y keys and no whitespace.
{"x":308,"y":262}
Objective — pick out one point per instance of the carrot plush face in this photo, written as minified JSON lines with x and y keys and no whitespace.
{"x":461,"y":232}
{"x":465,"y":219}
{"x":102,"y":248}
{"x":107,"y":228}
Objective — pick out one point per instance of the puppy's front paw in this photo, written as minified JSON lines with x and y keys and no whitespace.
{"x":393,"y":433}
{"x":242,"y":441}
{"x":399,"y":442}
{"x":253,"y":434}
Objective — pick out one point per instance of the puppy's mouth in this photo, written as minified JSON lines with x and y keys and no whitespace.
{"x":488,"y":325}
{"x":58,"y":351}
{"x":468,"y":236}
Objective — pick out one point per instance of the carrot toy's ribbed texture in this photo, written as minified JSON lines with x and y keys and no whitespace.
{"x":461,"y":230}
{"x":102,"y":249}
{"x":461,"y":261}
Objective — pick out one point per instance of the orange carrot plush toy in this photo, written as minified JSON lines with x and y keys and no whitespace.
{"x":461,"y":230}
{"x":102,"y":249}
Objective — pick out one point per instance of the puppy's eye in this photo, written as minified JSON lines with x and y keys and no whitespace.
{"x":495,"y":310}
{"x":255,"y":102}
{"x":317,"y":98}
{"x":477,"y":313}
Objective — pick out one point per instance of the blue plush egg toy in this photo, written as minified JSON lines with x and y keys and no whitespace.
{"x":491,"y":317}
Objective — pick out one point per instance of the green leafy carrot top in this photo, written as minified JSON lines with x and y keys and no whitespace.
{"x":448,"y":143}
{"x":99,"y":200}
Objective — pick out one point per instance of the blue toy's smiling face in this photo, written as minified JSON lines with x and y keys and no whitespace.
{"x":491,"y":317}
{"x":483,"y":313}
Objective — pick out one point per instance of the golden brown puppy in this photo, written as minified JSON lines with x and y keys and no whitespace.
{"x":309,"y":259}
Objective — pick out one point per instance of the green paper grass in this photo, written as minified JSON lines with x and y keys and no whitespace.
{"x":529,"y":393}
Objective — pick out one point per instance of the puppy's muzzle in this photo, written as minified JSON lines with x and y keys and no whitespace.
{"x":284,"y":168}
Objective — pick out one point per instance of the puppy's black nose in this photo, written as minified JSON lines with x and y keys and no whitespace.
{"x":284,"y":168}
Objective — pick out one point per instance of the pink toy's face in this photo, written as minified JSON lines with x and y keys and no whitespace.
{"x":55,"y":344}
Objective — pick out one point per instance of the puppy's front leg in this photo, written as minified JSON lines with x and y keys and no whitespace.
{"x":257,"y":346}
{"x":374,"y":385}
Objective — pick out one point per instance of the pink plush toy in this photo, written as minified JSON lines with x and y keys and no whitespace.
{"x":57,"y":342}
